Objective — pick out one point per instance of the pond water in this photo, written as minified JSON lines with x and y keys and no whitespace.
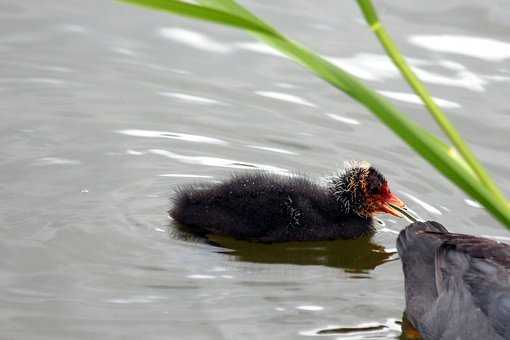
{"x":106,"y":108}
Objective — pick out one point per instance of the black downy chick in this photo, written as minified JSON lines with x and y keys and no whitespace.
{"x":275,"y":208}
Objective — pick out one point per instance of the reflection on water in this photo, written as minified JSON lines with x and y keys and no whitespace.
{"x":203,"y":42}
{"x":267,"y":148}
{"x":343,"y":119}
{"x":472,"y":203}
{"x":285,"y":97}
{"x":259,"y":47}
{"x":355,"y":256}
{"x":172,"y":135}
{"x":391,"y":329}
{"x":56,"y":161}
{"x":428,"y":207}
{"x":377,"y":67}
{"x":191,"y":98}
{"x":483,"y":48}
{"x":193,"y":39}
{"x":185,"y":176}
{"x":414,"y":99}
{"x":214,"y":161}
{"x":368,"y":330}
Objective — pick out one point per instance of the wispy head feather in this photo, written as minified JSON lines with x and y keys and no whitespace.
{"x":353,"y":186}
{"x":356,"y":164}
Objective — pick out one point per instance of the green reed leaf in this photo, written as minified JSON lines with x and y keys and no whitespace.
{"x":204,"y":13}
{"x":464,"y":151}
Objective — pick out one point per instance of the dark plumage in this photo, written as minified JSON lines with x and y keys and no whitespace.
{"x":457,"y":286}
{"x":274,"y":208}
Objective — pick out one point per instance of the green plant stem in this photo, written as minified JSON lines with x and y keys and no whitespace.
{"x":391,"y":49}
{"x":194,"y":11}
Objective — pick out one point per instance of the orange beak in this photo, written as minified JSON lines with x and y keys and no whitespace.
{"x":391,"y":205}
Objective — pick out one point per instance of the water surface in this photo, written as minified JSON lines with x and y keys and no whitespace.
{"x":106,"y":108}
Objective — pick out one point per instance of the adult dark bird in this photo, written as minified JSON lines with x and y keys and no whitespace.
{"x":275,"y":208}
{"x":457,"y":286}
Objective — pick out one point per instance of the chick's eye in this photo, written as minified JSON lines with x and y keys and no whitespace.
{"x":374,"y":188}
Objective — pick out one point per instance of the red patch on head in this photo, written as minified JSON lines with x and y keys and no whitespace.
{"x":385,"y":191}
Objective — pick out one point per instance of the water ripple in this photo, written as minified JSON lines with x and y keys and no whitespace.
{"x":310,"y":308}
{"x":36,"y":80}
{"x":208,"y":277}
{"x":73,"y":28}
{"x":377,"y":67}
{"x":124,"y":51}
{"x":414,"y":99}
{"x":343,"y":119}
{"x":214,"y":161}
{"x":190,"y":98}
{"x":185,"y":176}
{"x":367,"y":330}
{"x":193,"y":39}
{"x":477,"y":47}
{"x":423,"y":204}
{"x":172,"y":135}
{"x":472,"y":203}
{"x":137,"y":299}
{"x":277,"y":150}
{"x":201,"y":277}
{"x":200,"y":41}
{"x":259,"y":48}
{"x":285,"y":97}
{"x":56,"y":161}
{"x":134,"y":152}
{"x":367,"y":66}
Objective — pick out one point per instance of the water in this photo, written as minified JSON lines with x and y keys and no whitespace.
{"x":105,"y":108}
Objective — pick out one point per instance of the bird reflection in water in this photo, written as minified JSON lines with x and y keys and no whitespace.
{"x":355,"y":256}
